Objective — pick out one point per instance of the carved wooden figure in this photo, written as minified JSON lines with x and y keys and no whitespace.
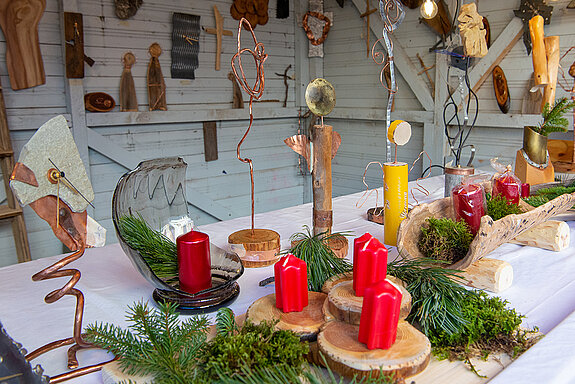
{"x":472,"y":31}
{"x":128,"y":99}
{"x":156,"y":83}
{"x":19,"y":21}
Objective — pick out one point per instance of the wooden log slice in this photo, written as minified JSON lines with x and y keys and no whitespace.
{"x":345,"y":306}
{"x":335,"y":280}
{"x":338,"y":245}
{"x":306,"y":323}
{"x":375,"y":215}
{"x":409,"y":355}
{"x":257,"y":248}
{"x":501,"y":89}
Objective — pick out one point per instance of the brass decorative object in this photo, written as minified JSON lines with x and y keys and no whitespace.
{"x":535,"y":145}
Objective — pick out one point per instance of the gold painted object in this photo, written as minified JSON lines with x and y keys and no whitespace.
{"x":320,"y":97}
{"x":535,"y":145}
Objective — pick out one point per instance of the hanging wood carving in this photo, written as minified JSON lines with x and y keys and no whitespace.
{"x":156,"y":84}
{"x":126,"y":8}
{"x":220,"y":32}
{"x":128,"y":99}
{"x":254,"y":11}
{"x":501,"y":89}
{"x":19,"y":22}
{"x":472,"y":31}
{"x":526,"y":11}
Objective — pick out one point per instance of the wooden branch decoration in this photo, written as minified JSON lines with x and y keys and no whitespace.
{"x":238,"y":100}
{"x":552,"y":55}
{"x":472,"y":31}
{"x":155,"y":79}
{"x":19,"y":22}
{"x":220,"y":32}
{"x":539,"y":57}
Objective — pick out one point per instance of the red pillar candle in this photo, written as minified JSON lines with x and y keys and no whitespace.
{"x":291,"y":284}
{"x":369,"y":262}
{"x":194,"y":263}
{"x":380,"y":315}
{"x":469,"y":205}
{"x":508,"y":186}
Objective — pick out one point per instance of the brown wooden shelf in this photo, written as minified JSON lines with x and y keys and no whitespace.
{"x":6,"y":212}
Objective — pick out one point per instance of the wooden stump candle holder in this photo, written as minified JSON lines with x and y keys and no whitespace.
{"x":257,"y":247}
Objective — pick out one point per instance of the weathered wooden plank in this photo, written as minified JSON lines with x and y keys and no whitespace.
{"x":379,"y":115}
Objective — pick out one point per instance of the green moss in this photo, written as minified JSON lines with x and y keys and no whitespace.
{"x":498,"y":207}
{"x":445,"y":239}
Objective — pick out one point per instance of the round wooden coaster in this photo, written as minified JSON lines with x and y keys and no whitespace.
{"x":345,"y":306}
{"x":345,"y":355}
{"x":256,"y":248}
{"x":306,"y":323}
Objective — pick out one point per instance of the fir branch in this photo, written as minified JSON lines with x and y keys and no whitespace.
{"x":225,"y":322}
{"x":552,"y":117}
{"x":159,"y":252}
{"x":321,"y":262}
{"x":436,"y":297}
{"x":545,"y":195}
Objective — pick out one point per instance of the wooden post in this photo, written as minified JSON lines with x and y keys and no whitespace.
{"x":321,"y":178}
{"x":219,"y":31}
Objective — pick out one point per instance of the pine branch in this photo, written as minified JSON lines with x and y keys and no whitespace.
{"x":225,"y":322}
{"x":552,"y":117}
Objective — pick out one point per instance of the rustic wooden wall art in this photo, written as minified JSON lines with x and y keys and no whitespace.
{"x":315,"y":28}
{"x":366,"y":14}
{"x":74,"y":36}
{"x":128,"y":99}
{"x":220,"y":32}
{"x":286,"y":84}
{"x":210,"y":141}
{"x":254,"y":11}
{"x":125,"y":9}
{"x":282,"y":9}
{"x":501,"y":89}
{"x":528,"y":9}
{"x":472,"y":32}
{"x":238,"y":100}
{"x":185,"y":45}
{"x":19,"y":22}
{"x":553,"y":56}
{"x":155,"y":80}
{"x":99,"y":102}
{"x":491,"y":233}
{"x":487,"y":28}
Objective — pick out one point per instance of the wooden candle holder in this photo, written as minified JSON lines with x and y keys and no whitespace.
{"x":257,"y":247}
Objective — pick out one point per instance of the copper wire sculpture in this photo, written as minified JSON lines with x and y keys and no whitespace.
{"x":419,"y":188}
{"x":392,"y":14}
{"x":363,"y":199}
{"x":255,"y":92}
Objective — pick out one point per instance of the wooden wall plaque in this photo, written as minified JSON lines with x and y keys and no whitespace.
{"x":74,"y":36}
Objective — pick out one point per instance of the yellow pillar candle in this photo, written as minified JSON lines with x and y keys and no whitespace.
{"x":395,"y":199}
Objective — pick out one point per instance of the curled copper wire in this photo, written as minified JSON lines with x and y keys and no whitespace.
{"x":380,"y":57}
{"x":420,"y":188}
{"x":564,"y":83}
{"x":255,"y":91}
{"x":362,"y":200}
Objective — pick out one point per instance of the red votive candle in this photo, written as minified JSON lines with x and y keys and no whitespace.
{"x":194,"y":263}
{"x":291,"y":284}
{"x":380,"y":315}
{"x":508,"y":186}
{"x":369,"y":262}
{"x":469,"y":205}
{"x":525,"y":190}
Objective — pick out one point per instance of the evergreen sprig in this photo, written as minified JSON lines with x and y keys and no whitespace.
{"x":553,"y":120}
{"x":436,"y":297}
{"x":155,"y":343}
{"x":225,"y":322}
{"x":545,"y":195}
{"x":159,"y":252}
{"x":322,"y":263}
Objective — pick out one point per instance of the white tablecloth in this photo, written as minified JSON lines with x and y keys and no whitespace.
{"x":543,"y":290}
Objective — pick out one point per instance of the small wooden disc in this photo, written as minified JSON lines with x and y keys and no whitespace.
{"x":335,"y":280}
{"x":257,"y":248}
{"x":345,"y":306}
{"x":306,"y":323}
{"x":338,"y":245}
{"x":345,"y":355}
{"x":375,"y":215}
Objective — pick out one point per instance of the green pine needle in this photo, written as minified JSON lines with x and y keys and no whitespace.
{"x":159,"y":252}
{"x":225,"y":322}
{"x":552,"y":118}
{"x":545,"y":195}
{"x":321,"y":262}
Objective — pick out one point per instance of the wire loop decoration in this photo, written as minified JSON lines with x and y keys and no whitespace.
{"x":419,"y":188}
{"x":309,"y":33}
{"x":363,"y":199}
{"x":255,"y":92}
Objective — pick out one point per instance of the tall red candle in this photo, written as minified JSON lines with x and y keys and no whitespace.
{"x":525,"y":190}
{"x":508,"y":186}
{"x":195,"y":269}
{"x":380,"y":315}
{"x":291,"y":284}
{"x":369,"y":262}
{"x":469,"y":205}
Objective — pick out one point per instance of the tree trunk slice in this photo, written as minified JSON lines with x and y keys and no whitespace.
{"x":335,"y":280}
{"x":305,"y":324}
{"x":259,"y":248}
{"x":345,"y":306}
{"x":327,"y":315}
{"x":375,"y":215}
{"x":491,"y":233}
{"x":345,"y":355}
{"x":338,"y":245}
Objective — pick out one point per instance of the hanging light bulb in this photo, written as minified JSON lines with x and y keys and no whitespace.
{"x":428,"y":9}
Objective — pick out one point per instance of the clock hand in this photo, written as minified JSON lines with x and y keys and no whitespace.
{"x":68,"y":183}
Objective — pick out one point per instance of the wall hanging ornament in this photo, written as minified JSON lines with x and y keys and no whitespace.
{"x":282,"y":9}
{"x":316,"y":24}
{"x":366,"y":14}
{"x":185,"y":45}
{"x":124,"y":9}
{"x":19,"y":22}
{"x":472,"y":31}
{"x":254,"y":11}
{"x":526,"y":11}
{"x":128,"y":99}
{"x":220,"y":32}
{"x":257,"y":247}
{"x":155,"y":79}
{"x":50,"y":177}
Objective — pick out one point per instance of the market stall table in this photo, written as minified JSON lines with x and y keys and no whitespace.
{"x":543,"y":290}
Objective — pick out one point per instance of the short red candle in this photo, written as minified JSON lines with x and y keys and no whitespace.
{"x":291,"y":284}
{"x":380,"y":315}
{"x":469,"y":205}
{"x":195,"y":269}
{"x":369,"y":262}
{"x":508,"y":186}
{"x":525,"y":190}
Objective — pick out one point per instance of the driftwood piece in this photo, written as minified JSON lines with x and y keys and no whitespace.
{"x":19,"y":22}
{"x":409,"y":355}
{"x":220,"y":32}
{"x":128,"y":99}
{"x":74,"y":37}
{"x":491,"y":233}
{"x":539,"y":57}
{"x":472,"y":31}
{"x":345,"y":306}
{"x":553,"y":235}
{"x":552,"y":55}
{"x":155,"y":78}
{"x":501,"y":89}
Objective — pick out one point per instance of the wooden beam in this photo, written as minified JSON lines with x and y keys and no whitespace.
{"x":129,"y":161}
{"x":433,"y":133}
{"x":403,"y":63}
{"x":379,"y":115}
